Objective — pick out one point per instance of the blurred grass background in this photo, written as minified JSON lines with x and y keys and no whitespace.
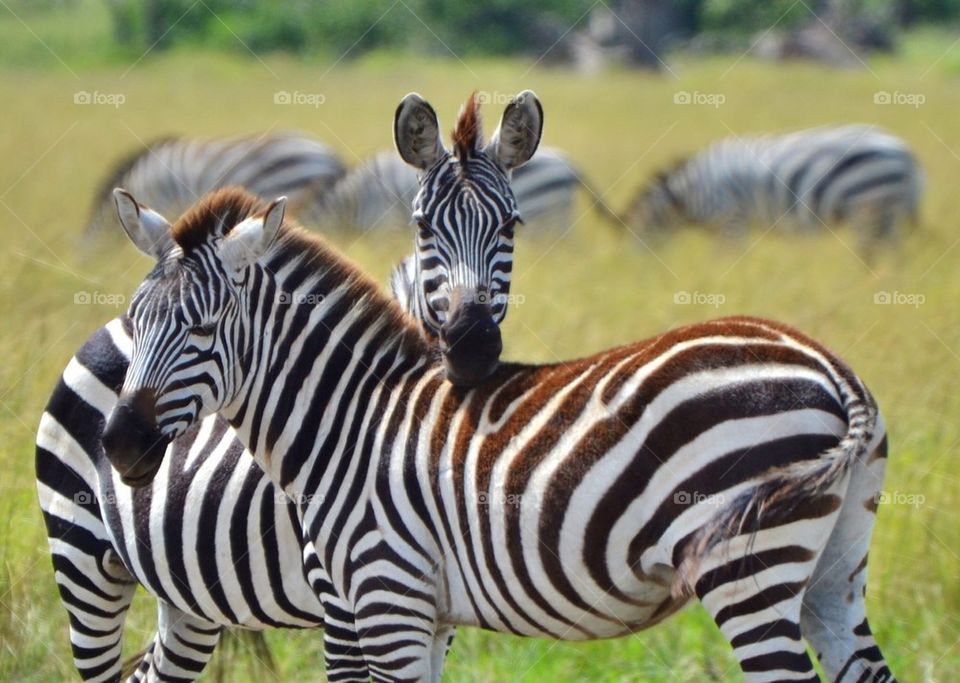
{"x":581,"y":291}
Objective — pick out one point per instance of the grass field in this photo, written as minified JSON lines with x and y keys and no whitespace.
{"x":581,"y":291}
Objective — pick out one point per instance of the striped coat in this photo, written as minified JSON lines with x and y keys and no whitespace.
{"x":802,"y":181}
{"x":172,"y":173}
{"x":735,"y":461}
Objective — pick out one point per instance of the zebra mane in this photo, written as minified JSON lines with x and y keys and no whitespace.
{"x":468,"y":132}
{"x":217,"y":213}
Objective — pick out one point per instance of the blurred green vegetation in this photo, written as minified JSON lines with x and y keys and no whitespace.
{"x":81,"y":32}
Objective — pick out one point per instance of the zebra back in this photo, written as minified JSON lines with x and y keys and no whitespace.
{"x":799,"y":180}
{"x":172,"y":173}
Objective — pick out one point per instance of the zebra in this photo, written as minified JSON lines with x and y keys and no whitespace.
{"x":103,"y":534}
{"x":380,"y":192}
{"x":735,"y":460}
{"x":820,"y":176}
{"x":174,"y":172}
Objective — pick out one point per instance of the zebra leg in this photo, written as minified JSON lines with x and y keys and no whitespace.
{"x":181,"y":648}
{"x":442,"y":641}
{"x":398,"y":631}
{"x":753,"y":586}
{"x":341,"y":646}
{"x":834,"y":618}
{"x":97,"y":592}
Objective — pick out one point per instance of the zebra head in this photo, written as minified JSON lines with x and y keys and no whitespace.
{"x":465,"y":213}
{"x":185,"y":320}
{"x":661,"y":204}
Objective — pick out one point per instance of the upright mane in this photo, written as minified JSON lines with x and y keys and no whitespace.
{"x":215,"y":214}
{"x":468,"y":132}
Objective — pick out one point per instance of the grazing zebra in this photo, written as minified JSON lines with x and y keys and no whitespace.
{"x":734,"y":460}
{"x":210,"y":501}
{"x":173,"y":173}
{"x":380,"y":191}
{"x":850,"y":174}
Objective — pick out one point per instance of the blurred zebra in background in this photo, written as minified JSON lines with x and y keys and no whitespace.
{"x":855,"y":175}
{"x":172,"y":173}
{"x":379,"y":193}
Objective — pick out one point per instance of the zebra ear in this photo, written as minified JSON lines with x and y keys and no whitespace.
{"x":251,"y":239}
{"x":416,"y":132}
{"x":518,"y":135}
{"x":147,"y":229}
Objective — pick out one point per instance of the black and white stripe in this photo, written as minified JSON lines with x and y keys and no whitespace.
{"x":173,"y":173}
{"x":851,"y":174}
{"x":379,"y":193}
{"x":736,"y":461}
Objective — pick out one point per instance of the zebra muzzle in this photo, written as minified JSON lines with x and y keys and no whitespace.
{"x":471,"y":343}
{"x":132,"y":441}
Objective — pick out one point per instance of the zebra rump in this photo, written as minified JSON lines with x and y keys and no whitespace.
{"x":853,"y":174}
{"x":173,"y":172}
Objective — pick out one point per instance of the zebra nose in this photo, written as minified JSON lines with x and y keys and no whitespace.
{"x":471,"y":343}
{"x":131,"y":440}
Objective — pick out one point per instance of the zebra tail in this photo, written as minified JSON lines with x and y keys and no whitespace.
{"x":779,"y":494}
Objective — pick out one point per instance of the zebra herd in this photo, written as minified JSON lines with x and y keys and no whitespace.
{"x":266,"y":440}
{"x":800,"y":181}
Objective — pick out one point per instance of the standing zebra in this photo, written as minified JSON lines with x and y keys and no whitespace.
{"x":212,"y":538}
{"x":735,"y":460}
{"x":380,"y":191}
{"x":173,"y":173}
{"x":850,"y":174}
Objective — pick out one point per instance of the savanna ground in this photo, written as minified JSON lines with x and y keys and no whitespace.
{"x":581,"y":291}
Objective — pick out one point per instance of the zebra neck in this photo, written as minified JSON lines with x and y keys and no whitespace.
{"x":320,"y":344}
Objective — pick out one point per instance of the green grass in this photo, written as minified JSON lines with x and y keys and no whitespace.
{"x":582,"y":292}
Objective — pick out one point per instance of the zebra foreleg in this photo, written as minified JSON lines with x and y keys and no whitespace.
{"x":181,"y":648}
{"x":442,"y":642}
{"x":341,"y":646}
{"x":97,"y":592}
{"x":398,"y":632}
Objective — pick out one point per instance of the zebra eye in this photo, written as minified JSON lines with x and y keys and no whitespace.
{"x":425,"y":228}
{"x":204,"y":330}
